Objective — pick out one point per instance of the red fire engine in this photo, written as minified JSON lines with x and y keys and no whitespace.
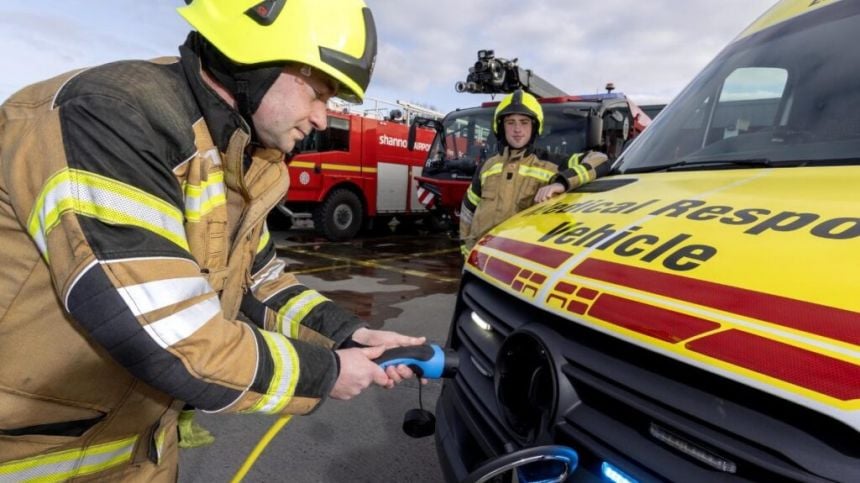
{"x":355,"y":170}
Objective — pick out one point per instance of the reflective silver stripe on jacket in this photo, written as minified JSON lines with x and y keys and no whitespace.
{"x":68,"y":464}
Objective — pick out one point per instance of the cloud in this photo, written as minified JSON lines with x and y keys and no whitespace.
{"x":649,"y":50}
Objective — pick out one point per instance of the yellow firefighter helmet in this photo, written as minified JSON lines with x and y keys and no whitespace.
{"x":338,"y":37}
{"x":519,"y":102}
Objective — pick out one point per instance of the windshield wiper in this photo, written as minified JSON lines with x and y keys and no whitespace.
{"x":692,"y":164}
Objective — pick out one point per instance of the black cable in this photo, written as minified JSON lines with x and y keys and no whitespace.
{"x":420,"y":402}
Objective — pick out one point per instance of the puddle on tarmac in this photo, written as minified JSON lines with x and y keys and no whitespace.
{"x":370,"y":276}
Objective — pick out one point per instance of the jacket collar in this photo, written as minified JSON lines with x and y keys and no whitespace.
{"x":222,"y":120}
{"x":515,"y":154}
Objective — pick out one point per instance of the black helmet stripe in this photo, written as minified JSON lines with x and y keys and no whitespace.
{"x":265,"y":12}
{"x":358,"y":69}
{"x":518,"y":98}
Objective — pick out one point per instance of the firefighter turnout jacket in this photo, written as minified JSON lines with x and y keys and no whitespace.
{"x":508,"y":182}
{"x":132,"y":219}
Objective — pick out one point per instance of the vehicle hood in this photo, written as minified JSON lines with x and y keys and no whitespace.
{"x":752,"y":274}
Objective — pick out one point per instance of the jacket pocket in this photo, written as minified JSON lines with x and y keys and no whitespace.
{"x":26,"y":414}
{"x":526,"y":193}
{"x":162,"y":437}
{"x":26,"y":441}
{"x":490,"y":187}
{"x":62,"y":428}
{"x":216,"y":244}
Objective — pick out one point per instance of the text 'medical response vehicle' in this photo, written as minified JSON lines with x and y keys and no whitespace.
{"x":694,"y":316}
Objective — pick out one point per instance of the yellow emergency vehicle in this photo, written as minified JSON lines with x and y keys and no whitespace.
{"x":695,"y":316}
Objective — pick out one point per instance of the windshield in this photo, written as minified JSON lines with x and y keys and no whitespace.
{"x":467,"y":142}
{"x":469,"y":138}
{"x":786,"y":96}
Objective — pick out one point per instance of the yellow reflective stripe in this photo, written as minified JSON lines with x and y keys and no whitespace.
{"x":341,"y":167}
{"x":297,"y":309}
{"x":582,"y":173}
{"x":493,"y":170}
{"x":573,"y":160}
{"x":534,"y":172}
{"x":264,"y":239}
{"x":284,"y":376}
{"x":473,"y":198}
{"x":104,"y":199}
{"x":159,"y":444}
{"x":781,"y":12}
{"x":332,"y":166}
{"x":70,"y":463}
{"x":200,"y":200}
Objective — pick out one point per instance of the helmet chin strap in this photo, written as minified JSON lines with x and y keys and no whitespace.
{"x":247,"y":83}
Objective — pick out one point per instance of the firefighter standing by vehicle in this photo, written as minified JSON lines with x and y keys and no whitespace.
{"x":132,"y":204}
{"x":516,"y":178}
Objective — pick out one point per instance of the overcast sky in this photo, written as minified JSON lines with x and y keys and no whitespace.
{"x":648,"y":49}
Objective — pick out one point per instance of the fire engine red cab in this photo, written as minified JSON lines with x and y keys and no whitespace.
{"x":354,"y":171}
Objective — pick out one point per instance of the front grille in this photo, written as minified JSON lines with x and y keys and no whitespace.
{"x":613,"y":394}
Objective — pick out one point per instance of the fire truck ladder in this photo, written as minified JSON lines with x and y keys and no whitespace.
{"x":492,"y":75}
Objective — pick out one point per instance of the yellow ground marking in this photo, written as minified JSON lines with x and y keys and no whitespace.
{"x":374,"y":263}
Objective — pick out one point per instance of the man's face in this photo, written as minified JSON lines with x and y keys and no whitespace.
{"x":292,"y":108}
{"x":518,"y":130}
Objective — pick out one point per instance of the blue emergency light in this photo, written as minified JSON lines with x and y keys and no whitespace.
{"x":615,"y":475}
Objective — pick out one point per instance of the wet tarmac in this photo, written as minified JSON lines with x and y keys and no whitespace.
{"x":369,"y":274}
{"x":404,"y":280}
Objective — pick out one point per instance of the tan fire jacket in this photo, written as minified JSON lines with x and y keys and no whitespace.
{"x":508,"y":182}
{"x":133,"y":230}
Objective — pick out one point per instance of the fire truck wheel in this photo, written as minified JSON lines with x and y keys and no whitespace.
{"x":278,"y":221}
{"x":339,"y":217}
{"x":435,"y":222}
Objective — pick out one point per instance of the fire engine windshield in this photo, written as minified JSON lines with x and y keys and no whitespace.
{"x":785,"y":96}
{"x":468,"y":139}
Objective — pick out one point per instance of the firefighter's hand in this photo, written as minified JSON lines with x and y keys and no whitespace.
{"x":358,"y":371}
{"x":389,"y":340}
{"x":548,"y":192}
{"x":385,"y":338}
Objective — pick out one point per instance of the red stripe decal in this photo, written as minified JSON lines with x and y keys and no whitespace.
{"x":549,"y":257}
{"x":565,"y":287}
{"x":501,"y":271}
{"x":649,"y":320}
{"x":478,"y":259}
{"x":813,"y":318}
{"x":822,"y":374}
{"x":577,"y":307}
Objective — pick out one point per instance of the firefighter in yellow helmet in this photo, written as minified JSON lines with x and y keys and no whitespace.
{"x":516,"y":178}
{"x":133,"y":230}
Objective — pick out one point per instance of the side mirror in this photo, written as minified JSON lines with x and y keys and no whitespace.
{"x":422,"y":122}
{"x":410,"y":139}
{"x":595,"y":130}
